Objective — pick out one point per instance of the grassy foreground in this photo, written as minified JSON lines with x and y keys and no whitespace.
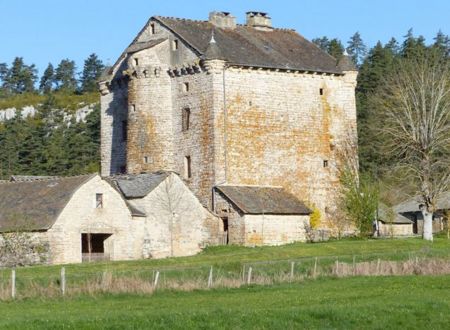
{"x":348,"y":303}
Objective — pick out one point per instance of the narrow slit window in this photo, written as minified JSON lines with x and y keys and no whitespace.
{"x":187,"y":167}
{"x":136,"y":61}
{"x":175,"y":44}
{"x":124,"y":130}
{"x":98,"y":201}
{"x":152,"y":28}
{"x":146,"y":159}
{"x":321,"y":91}
{"x":186,"y":117}
{"x":325,"y":163}
{"x":132,"y":107}
{"x":186,"y":87}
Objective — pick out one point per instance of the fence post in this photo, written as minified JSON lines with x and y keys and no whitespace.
{"x":243,"y":273}
{"x":378,"y":266}
{"x":315,"y":268}
{"x":337,"y":267}
{"x":249,"y":275}
{"x":210,"y":278}
{"x":13,"y":283}
{"x":292,"y":270}
{"x":354,"y":265}
{"x":63,"y":281}
{"x":155,"y":284}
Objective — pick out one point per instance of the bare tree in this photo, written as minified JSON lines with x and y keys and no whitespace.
{"x":414,"y":103}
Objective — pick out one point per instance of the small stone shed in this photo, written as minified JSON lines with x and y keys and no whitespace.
{"x":257,"y":215}
{"x":411,"y":210}
{"x":390,"y":223}
{"x":77,"y":218}
{"x":175,"y":223}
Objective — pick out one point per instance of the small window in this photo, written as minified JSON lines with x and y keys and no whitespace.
{"x":185,"y":120}
{"x":124,"y":130}
{"x":136,"y":61}
{"x":175,"y":44}
{"x":185,"y":87}
{"x":187,"y":167}
{"x":98,"y":201}
{"x":325,"y":163}
{"x":123,"y":169}
{"x":152,"y":28}
{"x":132,"y":107}
{"x":146,"y":159}
{"x":321,"y":91}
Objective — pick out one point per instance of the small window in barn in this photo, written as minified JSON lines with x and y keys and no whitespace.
{"x":187,"y":167}
{"x":186,"y":117}
{"x":136,"y":61}
{"x":185,"y":87}
{"x":124,"y":130}
{"x":98,"y":201}
{"x":325,"y":163}
{"x":146,"y":159}
{"x":321,"y":91}
{"x":175,"y":44}
{"x":152,"y":28}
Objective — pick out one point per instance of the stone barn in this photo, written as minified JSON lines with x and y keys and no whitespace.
{"x":175,"y":222}
{"x":231,"y":104}
{"x":78,"y":218}
{"x":254,"y":215}
{"x":390,"y":223}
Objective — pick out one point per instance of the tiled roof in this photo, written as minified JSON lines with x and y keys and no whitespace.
{"x":138,"y":185}
{"x":247,"y":46}
{"x":35,"y":205}
{"x":263,"y":200}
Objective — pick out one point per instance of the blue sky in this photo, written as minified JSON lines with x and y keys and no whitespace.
{"x":49,"y":30}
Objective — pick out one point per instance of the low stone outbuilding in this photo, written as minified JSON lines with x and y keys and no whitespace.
{"x":255,"y":215}
{"x":77,"y":218}
{"x":175,"y":222}
{"x":392,"y":224}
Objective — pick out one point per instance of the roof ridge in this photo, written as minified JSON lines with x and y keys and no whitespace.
{"x":181,"y":19}
{"x":49,"y":178}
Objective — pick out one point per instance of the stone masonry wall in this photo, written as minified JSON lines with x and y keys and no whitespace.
{"x":81,"y":216}
{"x":274,"y":229}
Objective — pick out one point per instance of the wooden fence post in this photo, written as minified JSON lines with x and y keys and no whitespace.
{"x":243,"y":273}
{"x":63,"y":281}
{"x":155,"y":284}
{"x":354,"y":265}
{"x":337,"y":267}
{"x":315,"y":268}
{"x":13,"y":283}
{"x":292,"y":270}
{"x":378,"y":266}
{"x":249,"y":275}
{"x":210,"y":278}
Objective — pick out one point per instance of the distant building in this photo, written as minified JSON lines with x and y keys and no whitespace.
{"x":229,"y":104}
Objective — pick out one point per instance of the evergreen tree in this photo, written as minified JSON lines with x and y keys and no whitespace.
{"x":19,"y":78}
{"x":393,"y":46}
{"x":322,"y":43}
{"x":335,"y":48}
{"x":412,"y":47}
{"x":65,"y":76}
{"x":442,"y":42}
{"x":47,"y":79}
{"x":92,"y":70}
{"x":357,"y":49}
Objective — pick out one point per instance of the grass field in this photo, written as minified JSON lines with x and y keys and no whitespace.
{"x":411,"y":302}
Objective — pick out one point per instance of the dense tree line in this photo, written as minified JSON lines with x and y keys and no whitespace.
{"x":51,"y":142}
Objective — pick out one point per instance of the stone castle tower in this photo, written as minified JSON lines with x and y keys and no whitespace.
{"x":228,"y":104}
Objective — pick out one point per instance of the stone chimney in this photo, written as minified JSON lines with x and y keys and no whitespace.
{"x":259,"y":20}
{"x":222,"y":19}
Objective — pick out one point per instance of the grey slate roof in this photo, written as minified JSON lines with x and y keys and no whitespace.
{"x":36,"y":205}
{"x":138,"y":46}
{"x":383,"y":216}
{"x":247,"y":46}
{"x":263,"y":200}
{"x":138,"y":185}
{"x":17,"y":178}
{"x":412,"y":205}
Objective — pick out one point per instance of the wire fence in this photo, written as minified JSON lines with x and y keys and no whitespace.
{"x":21,"y":283}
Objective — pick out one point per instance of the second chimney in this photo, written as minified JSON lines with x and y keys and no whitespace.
{"x":222,"y":19}
{"x":259,"y":20}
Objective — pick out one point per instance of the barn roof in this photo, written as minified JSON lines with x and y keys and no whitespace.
{"x":35,"y":205}
{"x":138,"y":185}
{"x":263,"y":200}
{"x":385,"y":217}
{"x":412,"y":205}
{"x":247,"y":46}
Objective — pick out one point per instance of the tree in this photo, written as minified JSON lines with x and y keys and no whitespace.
{"x":47,"y":79}
{"x":92,"y":70}
{"x":322,"y":43}
{"x":335,"y":48}
{"x":357,"y":49}
{"x":415,"y":105}
{"x":19,"y":78}
{"x":65,"y":76}
{"x":442,"y":42}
